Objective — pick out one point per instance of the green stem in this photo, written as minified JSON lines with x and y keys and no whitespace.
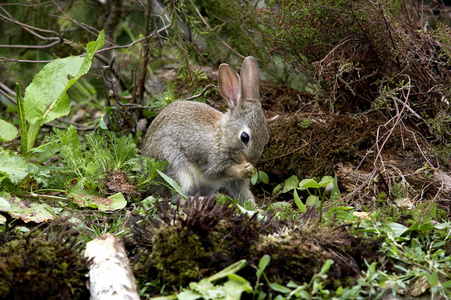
{"x":50,"y":190}
{"x":22,"y":121}
{"x":32,"y":135}
{"x":322,"y":196}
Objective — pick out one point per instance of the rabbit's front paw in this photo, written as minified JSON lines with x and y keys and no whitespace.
{"x":244,"y":170}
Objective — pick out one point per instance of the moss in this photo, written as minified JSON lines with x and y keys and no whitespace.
{"x":189,"y":246}
{"x":34,"y":268}
{"x":177,"y":255}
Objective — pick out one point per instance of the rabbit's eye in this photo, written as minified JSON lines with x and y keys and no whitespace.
{"x":244,"y":138}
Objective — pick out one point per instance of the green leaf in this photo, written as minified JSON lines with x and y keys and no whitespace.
{"x":326,"y":266}
{"x":279,"y":288}
{"x":299,"y":203}
{"x":207,"y":290}
{"x":8,"y":131}
{"x":70,"y":146}
{"x":172,"y":183}
{"x":89,"y":199}
{"x":280,"y":204}
{"x":46,"y":98}
{"x":45,"y":151}
{"x":325,"y":181}
{"x":419,"y":226}
{"x":447,"y":285}
{"x":22,"y":121}
{"x":234,"y":288}
{"x":28,"y":212}
{"x":432,"y":278}
{"x":229,"y":270}
{"x":441,"y":226}
{"x":289,"y":184}
{"x":254,"y":178}
{"x":312,"y":200}
{"x":185,"y":295}
{"x":263,"y":177}
{"x":118,"y":202}
{"x":397,"y":228}
{"x":308,"y":183}
{"x":335,"y":193}
{"x":262,"y":264}
{"x":17,"y":168}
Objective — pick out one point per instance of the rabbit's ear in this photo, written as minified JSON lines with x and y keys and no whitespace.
{"x":250,"y":75}
{"x":229,"y":84}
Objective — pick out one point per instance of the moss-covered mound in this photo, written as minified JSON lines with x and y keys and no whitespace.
{"x":200,"y":238}
{"x":34,"y":267}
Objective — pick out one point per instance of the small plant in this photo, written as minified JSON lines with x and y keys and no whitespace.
{"x":327,"y":185}
{"x":232,"y":288}
{"x":45,"y":100}
{"x":314,"y":289}
{"x":259,"y":176}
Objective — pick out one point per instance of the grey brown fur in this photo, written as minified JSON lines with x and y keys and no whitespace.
{"x":204,"y":147}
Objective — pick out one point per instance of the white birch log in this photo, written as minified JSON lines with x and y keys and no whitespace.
{"x":110,"y":275}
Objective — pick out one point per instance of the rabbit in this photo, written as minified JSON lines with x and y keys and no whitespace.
{"x":206,"y":149}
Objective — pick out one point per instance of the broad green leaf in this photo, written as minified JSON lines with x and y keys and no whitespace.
{"x":2,"y":219}
{"x":419,"y":226}
{"x":289,"y":184}
{"x":262,"y":295}
{"x":312,"y":200}
{"x":87,"y":199}
{"x":234,"y":289}
{"x":46,"y":98}
{"x":28,"y":212}
{"x":45,"y":151}
{"x":308,"y":183}
{"x":441,"y":226}
{"x":17,"y":168}
{"x":447,"y":285}
{"x":432,"y":278}
{"x":299,"y":203}
{"x":325,"y":181}
{"x":8,"y":131}
{"x":118,"y":202}
{"x":207,"y":290}
{"x":185,"y":295}
{"x":263,"y":177}
{"x":397,"y":228}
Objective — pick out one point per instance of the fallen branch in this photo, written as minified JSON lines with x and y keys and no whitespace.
{"x":110,"y":276}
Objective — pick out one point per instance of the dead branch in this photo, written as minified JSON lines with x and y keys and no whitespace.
{"x":110,"y":275}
